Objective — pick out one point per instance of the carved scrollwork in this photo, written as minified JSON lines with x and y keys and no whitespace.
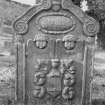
{"x":53,"y":80}
{"x":43,"y":66}
{"x":72,"y":70}
{"x":69,"y":67}
{"x":21,"y":27}
{"x":67,"y":64}
{"x":69,"y":79}
{"x":91,"y":27}
{"x":39,"y":78}
{"x":68,"y":93}
{"x":39,"y":92}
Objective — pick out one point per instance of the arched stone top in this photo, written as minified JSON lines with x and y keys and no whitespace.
{"x":90,"y":25}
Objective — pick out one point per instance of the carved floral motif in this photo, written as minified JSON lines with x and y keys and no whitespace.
{"x":39,"y":92}
{"x":51,"y":82}
{"x":69,"y":79}
{"x":39,"y":78}
{"x":68,"y":93}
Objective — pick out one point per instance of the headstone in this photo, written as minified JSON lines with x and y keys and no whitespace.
{"x":55,"y":49}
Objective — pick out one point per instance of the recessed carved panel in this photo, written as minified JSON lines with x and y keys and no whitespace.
{"x":56,"y":24}
{"x":53,"y":78}
{"x":57,"y":81}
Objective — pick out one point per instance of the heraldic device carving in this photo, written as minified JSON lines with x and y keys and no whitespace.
{"x":54,"y":54}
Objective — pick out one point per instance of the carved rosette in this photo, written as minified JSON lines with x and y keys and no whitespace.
{"x":51,"y":76}
{"x":21,"y":27}
{"x":40,"y":78}
{"x":39,"y":91}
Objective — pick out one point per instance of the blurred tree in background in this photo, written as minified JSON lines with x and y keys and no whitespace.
{"x":97,"y":11}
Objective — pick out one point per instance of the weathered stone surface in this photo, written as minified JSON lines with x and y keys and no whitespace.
{"x":8,"y":12}
{"x":48,"y":71}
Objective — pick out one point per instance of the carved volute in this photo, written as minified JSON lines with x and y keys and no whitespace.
{"x":54,"y":59}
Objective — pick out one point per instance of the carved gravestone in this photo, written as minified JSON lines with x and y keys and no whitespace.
{"x":54,"y":54}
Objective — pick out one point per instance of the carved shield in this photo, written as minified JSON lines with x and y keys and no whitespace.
{"x":54,"y":86}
